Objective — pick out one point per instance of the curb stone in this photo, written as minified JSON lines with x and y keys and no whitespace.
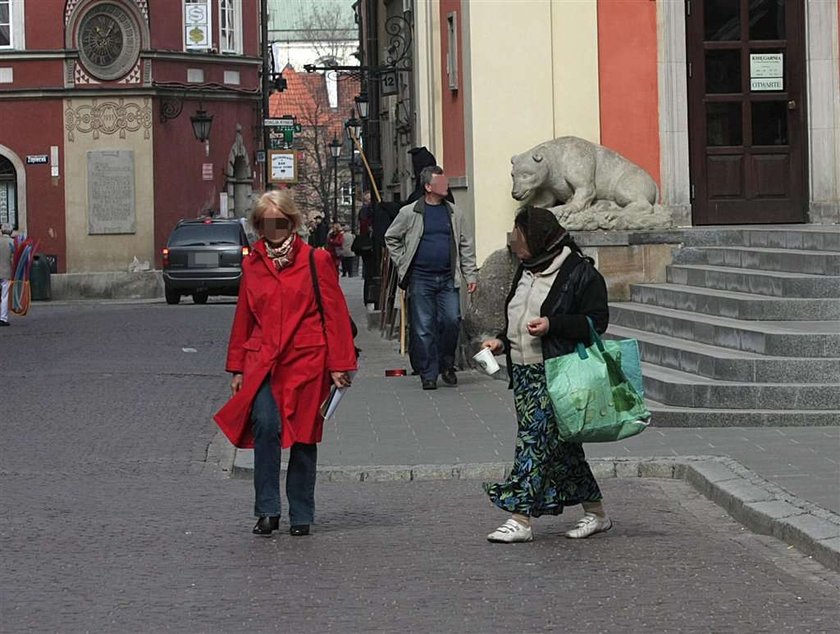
{"x":759,"y":505}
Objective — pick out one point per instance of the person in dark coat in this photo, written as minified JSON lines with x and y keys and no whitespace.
{"x":554,"y":290}
{"x":420,"y":159}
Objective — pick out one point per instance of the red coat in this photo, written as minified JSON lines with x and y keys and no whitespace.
{"x":277,"y":330}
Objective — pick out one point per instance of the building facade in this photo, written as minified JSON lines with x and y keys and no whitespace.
{"x":731,"y":105}
{"x":98,"y":155}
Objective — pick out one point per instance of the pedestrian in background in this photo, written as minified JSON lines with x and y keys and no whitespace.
{"x":554,"y":290}
{"x":285,"y":351}
{"x":432,"y":249}
{"x":347,"y":256}
{"x":335,"y":243}
{"x":7,"y":250}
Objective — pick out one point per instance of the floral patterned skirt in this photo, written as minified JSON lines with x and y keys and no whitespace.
{"x":547,"y":473}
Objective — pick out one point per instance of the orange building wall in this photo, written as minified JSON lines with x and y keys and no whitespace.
{"x":454,"y":142}
{"x":627,"y":70}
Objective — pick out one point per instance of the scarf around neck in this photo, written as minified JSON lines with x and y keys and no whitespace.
{"x":282,"y":255}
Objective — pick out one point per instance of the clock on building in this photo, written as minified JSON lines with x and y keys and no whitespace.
{"x":108,"y":40}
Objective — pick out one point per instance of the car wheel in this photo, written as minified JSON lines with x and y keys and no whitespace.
{"x":172,"y":296}
{"x":201,"y":298}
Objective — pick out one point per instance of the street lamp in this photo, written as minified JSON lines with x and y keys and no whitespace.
{"x":335,"y":152}
{"x":354,"y":129}
{"x":201,"y":123}
{"x":362,"y":105}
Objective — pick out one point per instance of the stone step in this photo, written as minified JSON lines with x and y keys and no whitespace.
{"x":765,"y":259}
{"x":681,"y":389}
{"x":734,"y":304}
{"x":774,"y":338}
{"x":770,"y":283}
{"x":670,"y":416}
{"x":802,"y":237}
{"x":726,"y":364}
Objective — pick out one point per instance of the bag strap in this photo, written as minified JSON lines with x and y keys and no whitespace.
{"x":317,"y":287}
{"x":596,"y":340}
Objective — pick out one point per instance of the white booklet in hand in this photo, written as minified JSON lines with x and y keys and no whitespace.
{"x":329,"y":405}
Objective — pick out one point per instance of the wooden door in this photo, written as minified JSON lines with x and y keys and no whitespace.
{"x":747,"y":129}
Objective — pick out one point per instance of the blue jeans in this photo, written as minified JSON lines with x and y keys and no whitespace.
{"x":435,"y":322}
{"x":300,"y":475}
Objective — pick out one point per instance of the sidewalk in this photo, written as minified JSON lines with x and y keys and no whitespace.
{"x":391,"y":421}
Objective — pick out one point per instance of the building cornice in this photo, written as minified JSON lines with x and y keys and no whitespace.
{"x":83,"y":93}
{"x":167,"y":56}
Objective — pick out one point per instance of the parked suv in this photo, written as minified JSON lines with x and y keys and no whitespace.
{"x":203,"y":258}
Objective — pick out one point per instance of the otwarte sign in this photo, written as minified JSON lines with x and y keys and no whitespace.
{"x":283,"y":166}
{"x":767,"y":71}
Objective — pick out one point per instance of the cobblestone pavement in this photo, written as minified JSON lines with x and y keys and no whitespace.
{"x":112,"y":521}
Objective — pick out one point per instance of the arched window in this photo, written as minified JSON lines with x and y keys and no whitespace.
{"x":8,"y":193}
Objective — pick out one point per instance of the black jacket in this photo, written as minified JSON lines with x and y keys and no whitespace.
{"x":579,"y":291}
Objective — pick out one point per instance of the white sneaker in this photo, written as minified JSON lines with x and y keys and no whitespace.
{"x":510,"y":532}
{"x":588,"y":525}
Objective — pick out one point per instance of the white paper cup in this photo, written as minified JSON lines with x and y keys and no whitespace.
{"x":487,"y":361}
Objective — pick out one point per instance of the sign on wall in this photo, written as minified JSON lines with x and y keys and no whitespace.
{"x":767,"y":71}
{"x":197,"y":24}
{"x":8,"y":204}
{"x":283,"y":166}
{"x":111,"y":208}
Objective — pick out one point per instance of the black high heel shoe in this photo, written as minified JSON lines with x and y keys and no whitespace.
{"x":265,"y":525}
{"x":299,"y":530}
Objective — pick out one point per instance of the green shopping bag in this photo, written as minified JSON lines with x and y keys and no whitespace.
{"x":593,"y":399}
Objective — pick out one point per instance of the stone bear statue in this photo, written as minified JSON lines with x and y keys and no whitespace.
{"x":587,"y":186}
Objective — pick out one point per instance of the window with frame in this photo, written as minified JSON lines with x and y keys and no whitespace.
{"x":452,"y":50}
{"x":346,"y":197}
{"x":197,"y":25}
{"x":11,"y":24}
{"x":230,"y":26}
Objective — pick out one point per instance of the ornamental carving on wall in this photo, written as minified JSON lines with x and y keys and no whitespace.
{"x":109,"y":117}
{"x":143,"y":5}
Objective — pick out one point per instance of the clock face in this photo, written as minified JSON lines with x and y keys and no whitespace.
{"x":108,"y":41}
{"x":102,"y":40}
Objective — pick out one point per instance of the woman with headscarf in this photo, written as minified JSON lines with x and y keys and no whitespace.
{"x":554,"y":290}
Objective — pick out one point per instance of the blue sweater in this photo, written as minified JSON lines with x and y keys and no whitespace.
{"x":434,"y":253}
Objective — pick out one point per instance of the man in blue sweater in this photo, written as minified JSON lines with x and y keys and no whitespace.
{"x":432,"y":250}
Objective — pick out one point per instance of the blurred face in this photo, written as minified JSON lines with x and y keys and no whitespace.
{"x":518,"y":244}
{"x":366,"y":198}
{"x":439,"y":185}
{"x":276,"y":226}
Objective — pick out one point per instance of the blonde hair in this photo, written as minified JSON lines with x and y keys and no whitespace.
{"x":284,"y":200}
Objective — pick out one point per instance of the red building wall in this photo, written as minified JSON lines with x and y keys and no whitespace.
{"x":454,"y":140}
{"x":629,"y":91}
{"x":31,"y":125}
{"x":180,"y":191}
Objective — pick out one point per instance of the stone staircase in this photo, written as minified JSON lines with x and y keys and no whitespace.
{"x":746,"y":330}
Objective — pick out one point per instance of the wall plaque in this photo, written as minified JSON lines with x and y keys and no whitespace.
{"x":111,"y":208}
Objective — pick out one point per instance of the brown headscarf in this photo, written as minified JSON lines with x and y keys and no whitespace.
{"x":544,"y":235}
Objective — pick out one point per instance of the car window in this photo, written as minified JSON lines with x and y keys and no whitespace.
{"x":205,"y":235}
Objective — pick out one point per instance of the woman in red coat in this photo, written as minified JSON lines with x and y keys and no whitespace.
{"x":284,"y":357}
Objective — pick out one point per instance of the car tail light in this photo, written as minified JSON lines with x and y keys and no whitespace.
{"x":165,"y":254}
{"x":208,"y":222}
{"x":245,"y":251}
